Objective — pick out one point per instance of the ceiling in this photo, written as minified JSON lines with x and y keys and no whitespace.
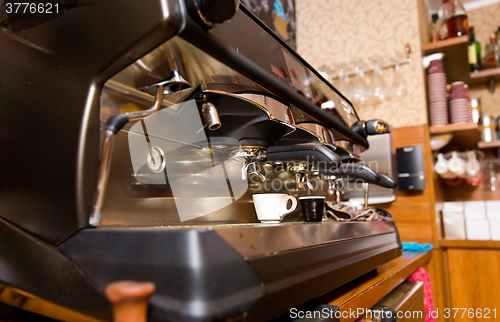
{"x":435,"y":5}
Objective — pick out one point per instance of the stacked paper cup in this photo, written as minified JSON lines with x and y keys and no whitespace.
{"x":438,"y":98}
{"x":460,"y":107}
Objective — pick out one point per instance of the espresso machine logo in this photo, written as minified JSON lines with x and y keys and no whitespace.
{"x":170,"y":148}
{"x":17,"y":15}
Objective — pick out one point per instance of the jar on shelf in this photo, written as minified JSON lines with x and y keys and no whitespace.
{"x":476,"y":109}
{"x":487,"y":128}
{"x":457,"y":22}
{"x":493,"y":174}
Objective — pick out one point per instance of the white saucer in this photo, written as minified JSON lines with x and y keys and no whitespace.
{"x":270,"y":221}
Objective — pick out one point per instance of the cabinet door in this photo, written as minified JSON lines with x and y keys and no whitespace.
{"x":475,"y":281}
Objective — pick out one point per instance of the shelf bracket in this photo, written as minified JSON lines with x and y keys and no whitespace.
{"x":491,"y":85}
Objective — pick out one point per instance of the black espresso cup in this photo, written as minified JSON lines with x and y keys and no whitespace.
{"x":312,"y":208}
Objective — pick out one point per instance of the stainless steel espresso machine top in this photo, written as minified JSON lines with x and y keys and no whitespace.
{"x":135,"y":134}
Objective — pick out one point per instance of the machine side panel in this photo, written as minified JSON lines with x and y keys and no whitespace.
{"x":197,"y":275}
{"x":51,"y":76}
{"x":40,"y":269}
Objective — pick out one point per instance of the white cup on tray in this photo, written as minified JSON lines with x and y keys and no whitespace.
{"x":272,"y":207}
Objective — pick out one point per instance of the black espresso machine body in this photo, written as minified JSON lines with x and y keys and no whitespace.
{"x":63,"y":78}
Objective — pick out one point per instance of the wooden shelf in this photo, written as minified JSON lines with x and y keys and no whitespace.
{"x":487,"y":145}
{"x":455,"y":61}
{"x":465,"y":135}
{"x":453,"y":128}
{"x":445,"y":45}
{"x":483,"y":76}
{"x":483,"y":244}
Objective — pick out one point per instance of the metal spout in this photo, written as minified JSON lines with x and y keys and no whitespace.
{"x":339,"y":189}
{"x":164,"y":67}
{"x":302,"y":179}
{"x":176,"y":83}
{"x":331,"y":187}
{"x":253,"y":168}
{"x":211,"y":116}
{"x":365,"y":188}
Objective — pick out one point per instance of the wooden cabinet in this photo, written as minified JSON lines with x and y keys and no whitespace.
{"x":475,"y":280}
{"x":385,"y":286}
{"x":464,"y":273}
{"x":470,"y":269}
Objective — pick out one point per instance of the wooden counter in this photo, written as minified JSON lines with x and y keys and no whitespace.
{"x":364,"y":291}
{"x":367,"y":290}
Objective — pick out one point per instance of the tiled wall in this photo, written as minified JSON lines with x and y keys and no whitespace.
{"x":330,"y":31}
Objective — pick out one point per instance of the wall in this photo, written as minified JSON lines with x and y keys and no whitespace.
{"x":341,"y":30}
{"x":332,"y":31}
{"x":485,"y":20}
{"x":490,"y":103}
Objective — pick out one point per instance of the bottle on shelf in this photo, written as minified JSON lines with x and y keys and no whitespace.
{"x":442,"y":27}
{"x":457,"y":22}
{"x":474,"y":52}
{"x":492,"y":53}
{"x":497,"y":55}
{"x":498,"y":127}
{"x":434,"y":28}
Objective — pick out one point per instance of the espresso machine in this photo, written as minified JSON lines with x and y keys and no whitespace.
{"x":134,"y":134}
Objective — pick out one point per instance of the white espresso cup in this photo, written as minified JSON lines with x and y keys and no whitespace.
{"x":272,"y":207}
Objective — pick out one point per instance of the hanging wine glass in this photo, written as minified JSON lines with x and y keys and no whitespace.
{"x":399,"y":87}
{"x":361,"y":92}
{"x":378,"y":86}
{"x":343,"y":84}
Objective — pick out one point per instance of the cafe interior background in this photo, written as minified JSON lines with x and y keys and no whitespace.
{"x":339,"y":37}
{"x":356,"y":43}
{"x":464,"y":273}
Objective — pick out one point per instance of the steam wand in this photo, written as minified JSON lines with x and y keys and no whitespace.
{"x":114,"y":124}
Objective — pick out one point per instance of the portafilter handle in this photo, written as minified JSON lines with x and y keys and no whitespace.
{"x":353,"y":171}
{"x":313,"y":154}
{"x":371,"y":127}
{"x":387,"y":182}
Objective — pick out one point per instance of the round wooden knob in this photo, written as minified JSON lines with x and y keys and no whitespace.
{"x":129,"y":300}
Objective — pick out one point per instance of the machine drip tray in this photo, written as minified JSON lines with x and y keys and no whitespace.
{"x":260,"y":239}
